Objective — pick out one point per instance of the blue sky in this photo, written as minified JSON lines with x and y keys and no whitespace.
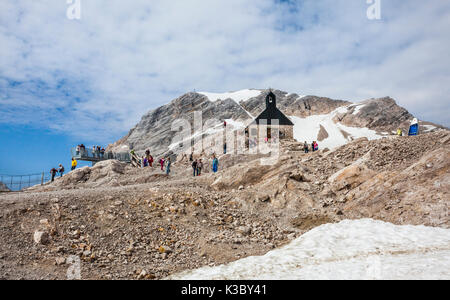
{"x":64,"y":82}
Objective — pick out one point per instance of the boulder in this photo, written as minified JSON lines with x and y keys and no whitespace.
{"x":263,"y":198}
{"x":60,"y":261}
{"x":244,"y":230}
{"x":350,"y":177}
{"x":41,"y":237}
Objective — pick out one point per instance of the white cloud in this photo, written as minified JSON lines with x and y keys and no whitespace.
{"x":126,"y":57}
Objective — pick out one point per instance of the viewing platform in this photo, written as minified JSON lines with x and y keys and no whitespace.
{"x":97,"y":156}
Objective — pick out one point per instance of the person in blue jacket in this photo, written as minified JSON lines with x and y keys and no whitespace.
{"x":168,"y":166}
{"x":215,"y":164}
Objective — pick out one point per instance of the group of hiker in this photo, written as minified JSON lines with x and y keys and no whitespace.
{"x":314,"y":147}
{"x":165,"y":162}
{"x":80,"y":149}
{"x":97,"y":151}
{"x":197,"y":165}
{"x":147,"y":160}
{"x":54,"y":171}
{"x":61,"y":169}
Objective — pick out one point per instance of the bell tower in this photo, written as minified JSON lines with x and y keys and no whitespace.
{"x":271,"y":100}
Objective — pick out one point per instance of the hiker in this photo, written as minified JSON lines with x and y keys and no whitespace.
{"x":53,"y":171}
{"x":305,"y":147}
{"x":215,"y":164}
{"x":312,"y":146}
{"x":399,"y":132}
{"x":102,"y":152}
{"x":74,"y":164}
{"x":61,"y":170}
{"x":168,"y":166}
{"x":77,"y":150}
{"x":316,"y":146}
{"x":194,"y":166}
{"x":143,"y":161}
{"x":199,"y":167}
{"x":225,"y":148}
{"x":161,"y":162}
{"x":191,"y":157}
{"x":150,"y":160}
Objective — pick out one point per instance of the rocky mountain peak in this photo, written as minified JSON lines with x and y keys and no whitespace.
{"x":339,"y":121}
{"x":380,"y":114}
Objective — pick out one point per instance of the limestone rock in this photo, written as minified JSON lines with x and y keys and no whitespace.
{"x":41,"y":237}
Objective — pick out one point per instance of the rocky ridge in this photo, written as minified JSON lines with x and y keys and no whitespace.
{"x":154,"y":131}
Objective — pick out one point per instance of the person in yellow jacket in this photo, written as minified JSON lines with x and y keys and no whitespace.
{"x":74,"y":164}
{"x":399,"y":132}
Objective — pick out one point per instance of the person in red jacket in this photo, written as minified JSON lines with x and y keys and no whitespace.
{"x":161,"y":162}
{"x":149,"y":158}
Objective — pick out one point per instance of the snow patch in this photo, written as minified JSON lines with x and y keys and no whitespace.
{"x":357,"y":107}
{"x":428,"y":128}
{"x":351,"y":249}
{"x":307,"y":129}
{"x":238,"y":96}
{"x":235,"y":124}
{"x":298,"y":96}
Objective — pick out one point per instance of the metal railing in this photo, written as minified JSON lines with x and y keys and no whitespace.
{"x":91,"y":155}
{"x":20,"y":182}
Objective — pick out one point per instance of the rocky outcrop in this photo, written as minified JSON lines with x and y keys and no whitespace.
{"x":422,"y":188}
{"x":380,"y":114}
{"x":351,"y":177}
{"x":104,"y":173}
{"x":154,"y":131}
